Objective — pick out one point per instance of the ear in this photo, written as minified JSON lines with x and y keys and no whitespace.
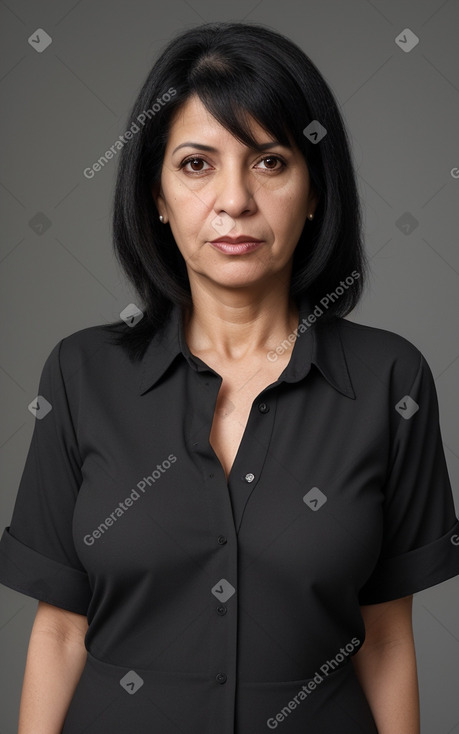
{"x":313,"y":200}
{"x":158,"y":198}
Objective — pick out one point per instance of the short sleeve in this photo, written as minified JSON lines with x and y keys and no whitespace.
{"x":37,"y":553}
{"x":420,"y":546}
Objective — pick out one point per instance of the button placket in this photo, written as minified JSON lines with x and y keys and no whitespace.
{"x":226,"y":501}
{"x":223,"y":558}
{"x":252,"y":453}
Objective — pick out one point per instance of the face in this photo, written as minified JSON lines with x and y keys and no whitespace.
{"x":214,"y":187}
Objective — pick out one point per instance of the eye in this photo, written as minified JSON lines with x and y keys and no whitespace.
{"x":193,"y":161}
{"x":272,"y":161}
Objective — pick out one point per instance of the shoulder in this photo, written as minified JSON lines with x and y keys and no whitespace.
{"x":371,"y":339}
{"x":384,"y":353}
{"x":98,"y":336}
{"x":86,"y":340}
{"x":91,"y":350}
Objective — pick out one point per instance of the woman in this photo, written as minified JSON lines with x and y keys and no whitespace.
{"x":227,"y":508}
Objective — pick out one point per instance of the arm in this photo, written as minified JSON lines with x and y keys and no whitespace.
{"x":386,"y":666}
{"x":55,"y":659}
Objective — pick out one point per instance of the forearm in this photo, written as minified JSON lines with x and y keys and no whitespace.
{"x":388,"y":676}
{"x":52,"y":671}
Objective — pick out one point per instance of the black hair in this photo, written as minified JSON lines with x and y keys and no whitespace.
{"x":236,"y":70}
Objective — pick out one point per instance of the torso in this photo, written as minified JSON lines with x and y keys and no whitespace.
{"x":239,"y":388}
{"x":241,"y":383}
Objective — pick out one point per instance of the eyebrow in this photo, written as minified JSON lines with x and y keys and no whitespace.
{"x":210,"y":149}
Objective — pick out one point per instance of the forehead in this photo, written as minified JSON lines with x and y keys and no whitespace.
{"x":193,"y":118}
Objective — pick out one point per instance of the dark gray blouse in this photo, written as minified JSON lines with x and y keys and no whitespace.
{"x":218,"y":606}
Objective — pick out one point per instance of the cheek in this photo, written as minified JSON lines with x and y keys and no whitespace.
{"x":286,"y":216}
{"x":186,"y":221}
{"x":285,"y":196}
{"x":287,"y":211}
{"x":185,"y":205}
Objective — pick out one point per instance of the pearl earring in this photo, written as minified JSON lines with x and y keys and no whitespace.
{"x":161,"y":218}
{"x":311,"y":216}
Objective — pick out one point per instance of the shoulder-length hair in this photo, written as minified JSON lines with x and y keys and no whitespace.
{"x":235,"y":69}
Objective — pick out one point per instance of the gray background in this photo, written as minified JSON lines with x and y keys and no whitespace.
{"x":65,"y":106}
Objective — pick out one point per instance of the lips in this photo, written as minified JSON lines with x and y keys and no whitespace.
{"x":236,"y":240}
{"x":236,"y":245}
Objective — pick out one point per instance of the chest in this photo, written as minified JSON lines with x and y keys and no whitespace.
{"x":237,"y":392}
{"x":153,"y":501}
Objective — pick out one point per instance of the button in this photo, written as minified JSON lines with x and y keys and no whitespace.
{"x":263,"y":408}
{"x":249,"y":477}
{"x":222,"y":610}
{"x":222,"y":539}
{"x":221,"y":677}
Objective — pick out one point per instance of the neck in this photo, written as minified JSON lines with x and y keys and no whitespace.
{"x":236,"y":325}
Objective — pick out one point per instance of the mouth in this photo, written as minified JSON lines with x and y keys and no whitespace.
{"x":240,"y":248}
{"x":236,"y":245}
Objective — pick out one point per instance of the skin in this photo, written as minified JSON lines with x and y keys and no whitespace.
{"x":241,"y":309}
{"x":386,"y":666}
{"x":56,"y":657}
{"x":240,"y":302}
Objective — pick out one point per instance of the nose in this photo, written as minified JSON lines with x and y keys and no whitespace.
{"x":234,"y":191}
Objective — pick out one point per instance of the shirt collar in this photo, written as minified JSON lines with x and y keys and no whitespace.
{"x":317,"y":343}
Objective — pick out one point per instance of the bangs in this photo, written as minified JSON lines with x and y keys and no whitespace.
{"x":234,"y":93}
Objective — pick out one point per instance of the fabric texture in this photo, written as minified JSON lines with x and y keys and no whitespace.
{"x":230,"y":606}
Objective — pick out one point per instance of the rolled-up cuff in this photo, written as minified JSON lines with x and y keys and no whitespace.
{"x":414,"y":571}
{"x":29,"y":572}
